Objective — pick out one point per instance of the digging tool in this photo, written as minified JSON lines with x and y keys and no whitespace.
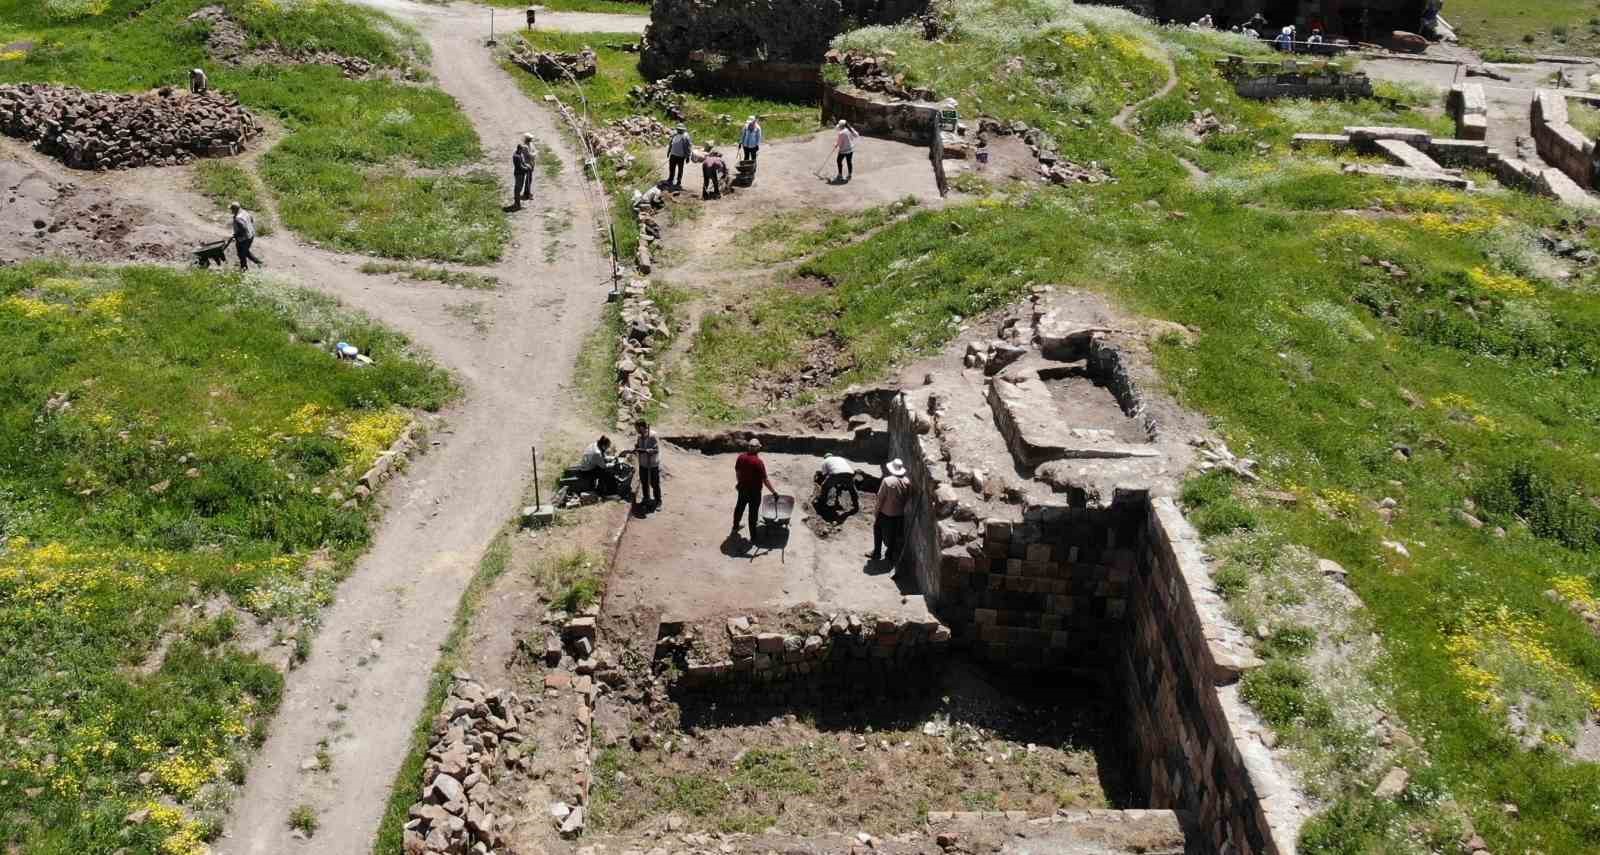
{"x":822,"y":168}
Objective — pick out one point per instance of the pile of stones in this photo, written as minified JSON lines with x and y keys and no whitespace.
{"x":476,"y":736}
{"x":106,"y":130}
{"x":612,"y":140}
{"x":872,"y":74}
{"x":660,"y":95}
{"x":1052,"y":167}
{"x":226,"y":41}
{"x":557,"y":67}
{"x":644,"y":330}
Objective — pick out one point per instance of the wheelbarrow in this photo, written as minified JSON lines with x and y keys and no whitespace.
{"x":212,"y":253}
{"x":777,"y":511}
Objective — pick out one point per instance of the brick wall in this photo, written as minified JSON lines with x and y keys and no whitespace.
{"x":899,"y":120}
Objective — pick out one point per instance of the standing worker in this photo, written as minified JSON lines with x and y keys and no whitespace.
{"x":244,"y":234}
{"x":522,"y":172}
{"x":678,"y":150}
{"x":888,"y":528}
{"x":197,"y":81}
{"x":845,"y":144}
{"x":750,"y":139}
{"x":750,"y":475}
{"x":646,"y":453}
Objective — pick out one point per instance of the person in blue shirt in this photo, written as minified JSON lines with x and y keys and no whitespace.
{"x":750,"y":139}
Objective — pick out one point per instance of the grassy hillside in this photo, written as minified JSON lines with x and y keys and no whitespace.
{"x":343,"y":175}
{"x":171,"y":447}
{"x":1557,"y":26}
{"x":1462,"y":387}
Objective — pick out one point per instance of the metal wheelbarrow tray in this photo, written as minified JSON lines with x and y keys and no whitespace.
{"x":214,"y":252}
{"x":777,"y":511}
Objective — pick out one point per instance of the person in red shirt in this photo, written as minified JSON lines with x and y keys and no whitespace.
{"x":750,"y":475}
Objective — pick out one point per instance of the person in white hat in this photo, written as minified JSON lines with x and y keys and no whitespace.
{"x":750,"y":139}
{"x":522,"y":172}
{"x":678,"y":150}
{"x":750,"y":475}
{"x":845,"y":144}
{"x":888,"y":527}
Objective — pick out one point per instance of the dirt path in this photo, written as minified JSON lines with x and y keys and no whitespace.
{"x":364,"y":684}
{"x":1126,"y":114}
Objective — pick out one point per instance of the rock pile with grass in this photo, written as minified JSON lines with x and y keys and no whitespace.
{"x":108,"y":130}
{"x":557,"y":67}
{"x":644,"y":330}
{"x":476,"y":736}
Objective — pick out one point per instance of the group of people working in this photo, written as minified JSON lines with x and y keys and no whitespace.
{"x":714,"y":169}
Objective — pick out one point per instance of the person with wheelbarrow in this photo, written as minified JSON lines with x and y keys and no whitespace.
{"x":750,"y":475}
{"x":244,"y":234}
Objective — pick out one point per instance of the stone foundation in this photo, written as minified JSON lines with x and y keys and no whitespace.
{"x":906,"y":121}
{"x":1560,"y":144}
{"x":1264,"y":81}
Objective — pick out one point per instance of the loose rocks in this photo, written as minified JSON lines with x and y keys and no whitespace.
{"x":557,"y":67}
{"x":104,"y":130}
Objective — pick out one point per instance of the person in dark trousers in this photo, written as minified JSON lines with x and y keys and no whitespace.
{"x":646,"y":453}
{"x":522,"y":172}
{"x":750,"y":139}
{"x":712,"y":173}
{"x":678,"y":149}
{"x":596,"y":464}
{"x":533,"y":13}
{"x":845,"y":144}
{"x":750,"y":475}
{"x":244,"y":234}
{"x":888,"y":528}
{"x":837,"y":477}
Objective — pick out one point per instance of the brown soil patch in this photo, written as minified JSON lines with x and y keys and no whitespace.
{"x":826,"y":358}
{"x":971,"y":746}
{"x":809,"y":284}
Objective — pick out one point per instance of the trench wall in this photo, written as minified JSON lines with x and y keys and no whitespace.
{"x":899,"y":120}
{"x":1559,"y":143}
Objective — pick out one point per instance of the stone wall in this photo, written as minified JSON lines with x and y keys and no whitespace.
{"x":759,"y":31}
{"x":1289,"y":79}
{"x":1175,"y":668}
{"x":879,"y":116}
{"x":793,"y":81}
{"x":1469,"y":107}
{"x":845,"y":658}
{"x":1559,"y":143}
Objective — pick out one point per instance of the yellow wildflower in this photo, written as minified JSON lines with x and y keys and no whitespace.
{"x":372,"y":434}
{"x":1501,"y":283}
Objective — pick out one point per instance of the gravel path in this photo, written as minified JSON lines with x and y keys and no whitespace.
{"x":367,"y":677}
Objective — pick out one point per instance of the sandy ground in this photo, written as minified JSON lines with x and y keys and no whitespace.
{"x":682,"y":561}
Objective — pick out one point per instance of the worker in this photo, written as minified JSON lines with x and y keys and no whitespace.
{"x":750,"y":475}
{"x":596,"y":464}
{"x":198,"y":83}
{"x":845,"y":144}
{"x":522,"y":172}
{"x":837,"y":475}
{"x":750,"y":139}
{"x":678,"y":150}
{"x":1257,"y":22}
{"x":244,"y":234}
{"x":1314,"y":41}
{"x":1285,"y":40}
{"x":533,"y":12}
{"x":646,"y":453}
{"x":888,"y":527}
{"x":712,"y":172}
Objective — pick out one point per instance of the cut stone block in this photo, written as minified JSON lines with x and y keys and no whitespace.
{"x":1405,"y":174}
{"x":1034,"y":429}
{"x":1404,"y":154}
{"x":1364,"y":136}
{"x":1335,"y":140}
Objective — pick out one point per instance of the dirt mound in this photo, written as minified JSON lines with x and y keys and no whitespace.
{"x":42,"y":216}
{"x":105,"y":130}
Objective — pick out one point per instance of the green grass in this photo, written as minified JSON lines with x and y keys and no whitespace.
{"x":169,"y":438}
{"x":573,"y":580}
{"x":1300,"y":361}
{"x":604,"y":7}
{"x":1585,"y":117}
{"x":304,"y":819}
{"x":1547,"y":26}
{"x":442,"y":275}
{"x":224,"y":183}
{"x":343,"y":176}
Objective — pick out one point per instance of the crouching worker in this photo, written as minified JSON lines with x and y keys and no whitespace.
{"x":599,"y":467}
{"x":836,"y":477}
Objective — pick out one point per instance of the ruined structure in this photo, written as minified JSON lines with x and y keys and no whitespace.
{"x":1264,"y":81}
{"x":106,"y":130}
{"x":1357,"y":20}
{"x":753,"y":46}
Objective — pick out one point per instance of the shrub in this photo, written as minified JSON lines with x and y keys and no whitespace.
{"x":1282,"y":693}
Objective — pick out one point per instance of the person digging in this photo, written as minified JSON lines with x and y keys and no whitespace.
{"x":750,"y":475}
{"x":836,"y":477}
{"x":845,"y":144}
{"x":713,"y":171}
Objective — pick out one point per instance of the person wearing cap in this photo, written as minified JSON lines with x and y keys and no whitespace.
{"x":750,"y":139}
{"x":712,"y":171}
{"x":836,"y":477}
{"x":845,"y":144}
{"x":244,"y":234}
{"x":888,"y":526}
{"x":678,"y":150}
{"x":197,"y":81}
{"x":522,"y":172}
{"x":750,"y":475}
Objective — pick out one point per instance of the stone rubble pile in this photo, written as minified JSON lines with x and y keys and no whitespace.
{"x":612,"y":140}
{"x":644,"y":330}
{"x":354,"y":67}
{"x":557,"y":67}
{"x":872,"y":74}
{"x":107,"y":130}
{"x":659,"y":94}
{"x":226,"y":41}
{"x":1052,"y":167}
{"x":477,"y":735}
{"x":1205,"y":122}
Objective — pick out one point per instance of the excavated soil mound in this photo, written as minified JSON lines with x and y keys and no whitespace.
{"x":106,"y":130}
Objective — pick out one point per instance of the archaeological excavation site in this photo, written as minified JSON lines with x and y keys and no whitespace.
{"x":799,"y":427}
